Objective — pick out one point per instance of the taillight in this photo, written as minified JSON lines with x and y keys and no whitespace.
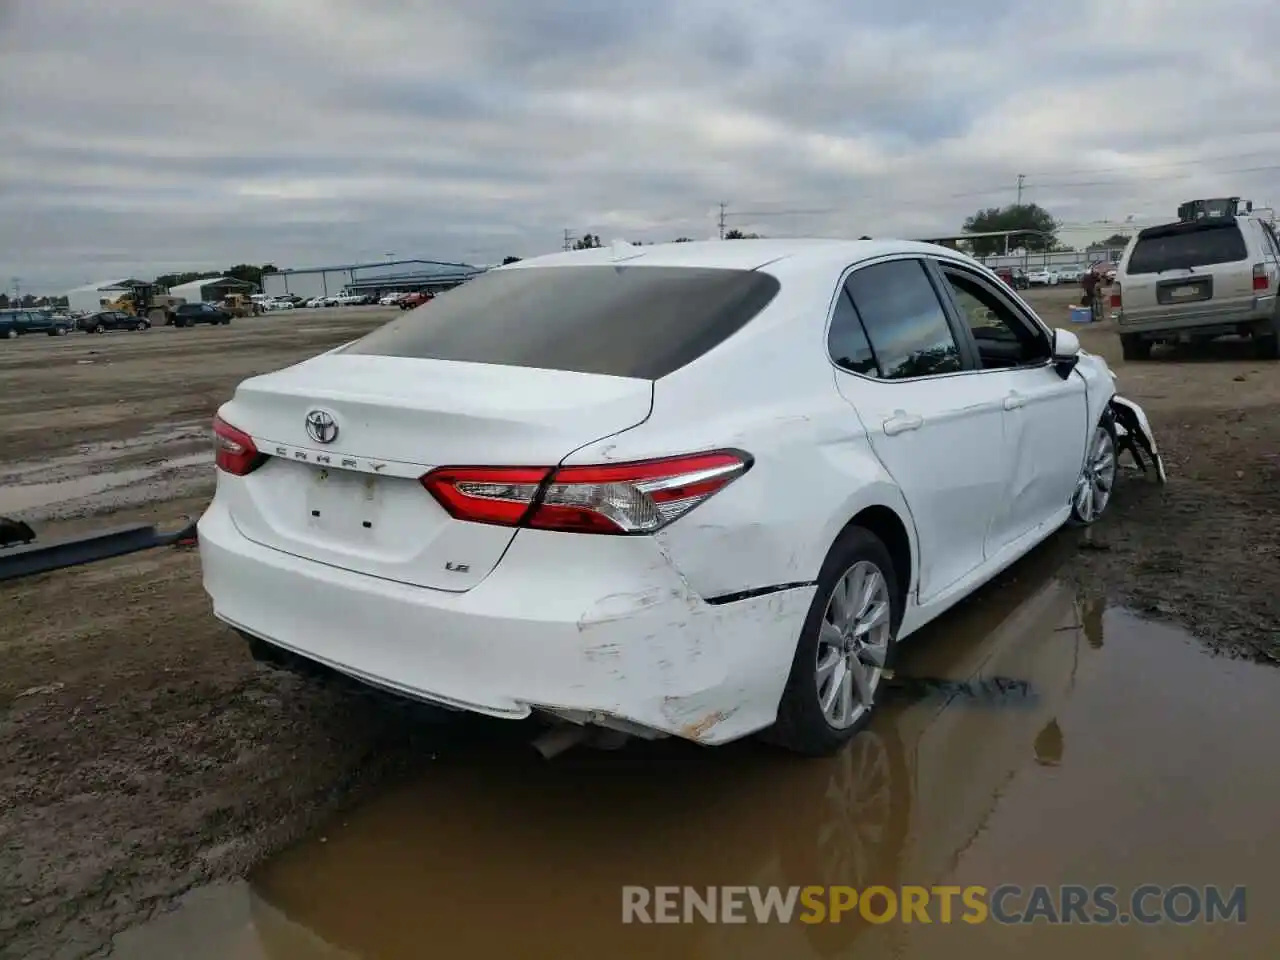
{"x":1260,"y":279}
{"x":1115,"y":295}
{"x":616,"y":498}
{"x":234,"y":451}
{"x":501,"y":495}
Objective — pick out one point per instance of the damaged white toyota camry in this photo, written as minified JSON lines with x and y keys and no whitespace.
{"x":698,"y":489}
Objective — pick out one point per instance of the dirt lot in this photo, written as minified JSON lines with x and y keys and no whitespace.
{"x":142,"y":751}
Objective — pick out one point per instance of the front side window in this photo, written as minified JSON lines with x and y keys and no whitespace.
{"x":1002,"y":338}
{"x":904,"y":320}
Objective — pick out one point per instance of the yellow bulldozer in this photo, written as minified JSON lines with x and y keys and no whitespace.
{"x":146,"y":300}
{"x":238,"y":305}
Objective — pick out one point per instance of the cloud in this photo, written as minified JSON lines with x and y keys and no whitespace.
{"x":149,"y":136}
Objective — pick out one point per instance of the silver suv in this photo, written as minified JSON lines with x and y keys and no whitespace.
{"x":1194,"y":280}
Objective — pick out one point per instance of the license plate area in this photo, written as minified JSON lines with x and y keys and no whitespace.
{"x":348,"y":506}
{"x":1185,"y":290}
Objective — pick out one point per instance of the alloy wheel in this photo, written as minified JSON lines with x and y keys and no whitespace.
{"x":853,"y":645}
{"x":1098,"y":478}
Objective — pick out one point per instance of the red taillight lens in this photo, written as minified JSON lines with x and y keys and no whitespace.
{"x":501,"y":495}
{"x":622,"y":498}
{"x":1115,"y":296}
{"x":234,"y":450}
{"x":1260,"y":279}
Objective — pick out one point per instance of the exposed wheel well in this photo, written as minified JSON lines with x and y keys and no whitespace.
{"x":888,"y":526}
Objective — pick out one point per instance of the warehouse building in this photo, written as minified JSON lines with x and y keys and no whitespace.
{"x":91,"y":297}
{"x":404,"y":276}
{"x":211,"y":289}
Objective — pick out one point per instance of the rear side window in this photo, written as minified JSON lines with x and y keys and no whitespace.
{"x":904,"y":320}
{"x":622,"y":321}
{"x":1181,"y":246}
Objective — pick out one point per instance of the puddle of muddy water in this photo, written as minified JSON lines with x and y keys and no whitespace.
{"x":1131,"y":758}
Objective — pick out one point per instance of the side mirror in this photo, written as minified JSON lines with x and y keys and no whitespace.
{"x":1066,"y":351}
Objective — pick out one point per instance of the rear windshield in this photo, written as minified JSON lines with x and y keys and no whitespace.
{"x":1185,"y":245}
{"x":622,"y":321}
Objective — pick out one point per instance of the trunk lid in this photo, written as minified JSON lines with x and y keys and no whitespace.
{"x":345,"y":491}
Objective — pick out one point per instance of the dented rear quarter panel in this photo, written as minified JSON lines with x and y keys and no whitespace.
{"x":769,"y":391}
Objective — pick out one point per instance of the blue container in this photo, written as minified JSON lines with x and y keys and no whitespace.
{"x":1081,"y":315}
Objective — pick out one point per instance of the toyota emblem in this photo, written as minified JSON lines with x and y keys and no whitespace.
{"x":321,"y":426}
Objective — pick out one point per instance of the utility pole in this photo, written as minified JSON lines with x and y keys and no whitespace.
{"x":17,"y":291}
{"x":1021,"y":177}
{"x":723,"y":205}
{"x":566,"y":238}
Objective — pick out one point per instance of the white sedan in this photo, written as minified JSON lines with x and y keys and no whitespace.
{"x":1044,"y":277}
{"x":696,"y":490}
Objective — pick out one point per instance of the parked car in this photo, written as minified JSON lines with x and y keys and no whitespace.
{"x":279,"y":303}
{"x":14,"y":323}
{"x":105,"y":320}
{"x":411,"y":300}
{"x":642,"y":568}
{"x":1044,"y":277}
{"x":388,"y":299}
{"x":1070,"y":274}
{"x":1195,"y":280}
{"x":189,"y":314}
{"x":1014,"y":277}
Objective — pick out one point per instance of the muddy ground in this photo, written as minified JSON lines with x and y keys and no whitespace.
{"x":143,"y":752}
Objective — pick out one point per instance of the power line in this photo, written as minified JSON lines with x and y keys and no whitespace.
{"x":1221,"y":158}
{"x":918,"y":200}
{"x":1175,"y":176}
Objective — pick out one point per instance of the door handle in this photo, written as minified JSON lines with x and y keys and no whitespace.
{"x":901,"y":422}
{"x":1014,"y":400}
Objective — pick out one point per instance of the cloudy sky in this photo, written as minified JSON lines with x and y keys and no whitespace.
{"x":142,"y":136}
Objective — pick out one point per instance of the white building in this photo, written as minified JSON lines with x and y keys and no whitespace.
{"x":211,"y":289}
{"x":383,"y":277}
{"x":89,"y":298}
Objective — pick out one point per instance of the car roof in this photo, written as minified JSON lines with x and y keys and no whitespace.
{"x":739,"y":254}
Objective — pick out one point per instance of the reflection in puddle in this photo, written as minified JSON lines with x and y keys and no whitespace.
{"x":1170,"y":777}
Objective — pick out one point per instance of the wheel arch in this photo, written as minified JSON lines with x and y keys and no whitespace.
{"x":895,"y":533}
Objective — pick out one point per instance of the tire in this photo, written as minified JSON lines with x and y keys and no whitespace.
{"x":1135,"y":348}
{"x":1089,"y":508}
{"x":141,"y":326}
{"x":99,"y":329}
{"x":1266,"y":346}
{"x":11,"y":333}
{"x":802,"y":725}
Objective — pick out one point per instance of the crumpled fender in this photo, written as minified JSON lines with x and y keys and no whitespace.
{"x":1133,"y":433}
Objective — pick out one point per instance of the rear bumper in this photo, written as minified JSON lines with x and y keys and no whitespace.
{"x":1222,"y":318}
{"x":605,"y":632}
